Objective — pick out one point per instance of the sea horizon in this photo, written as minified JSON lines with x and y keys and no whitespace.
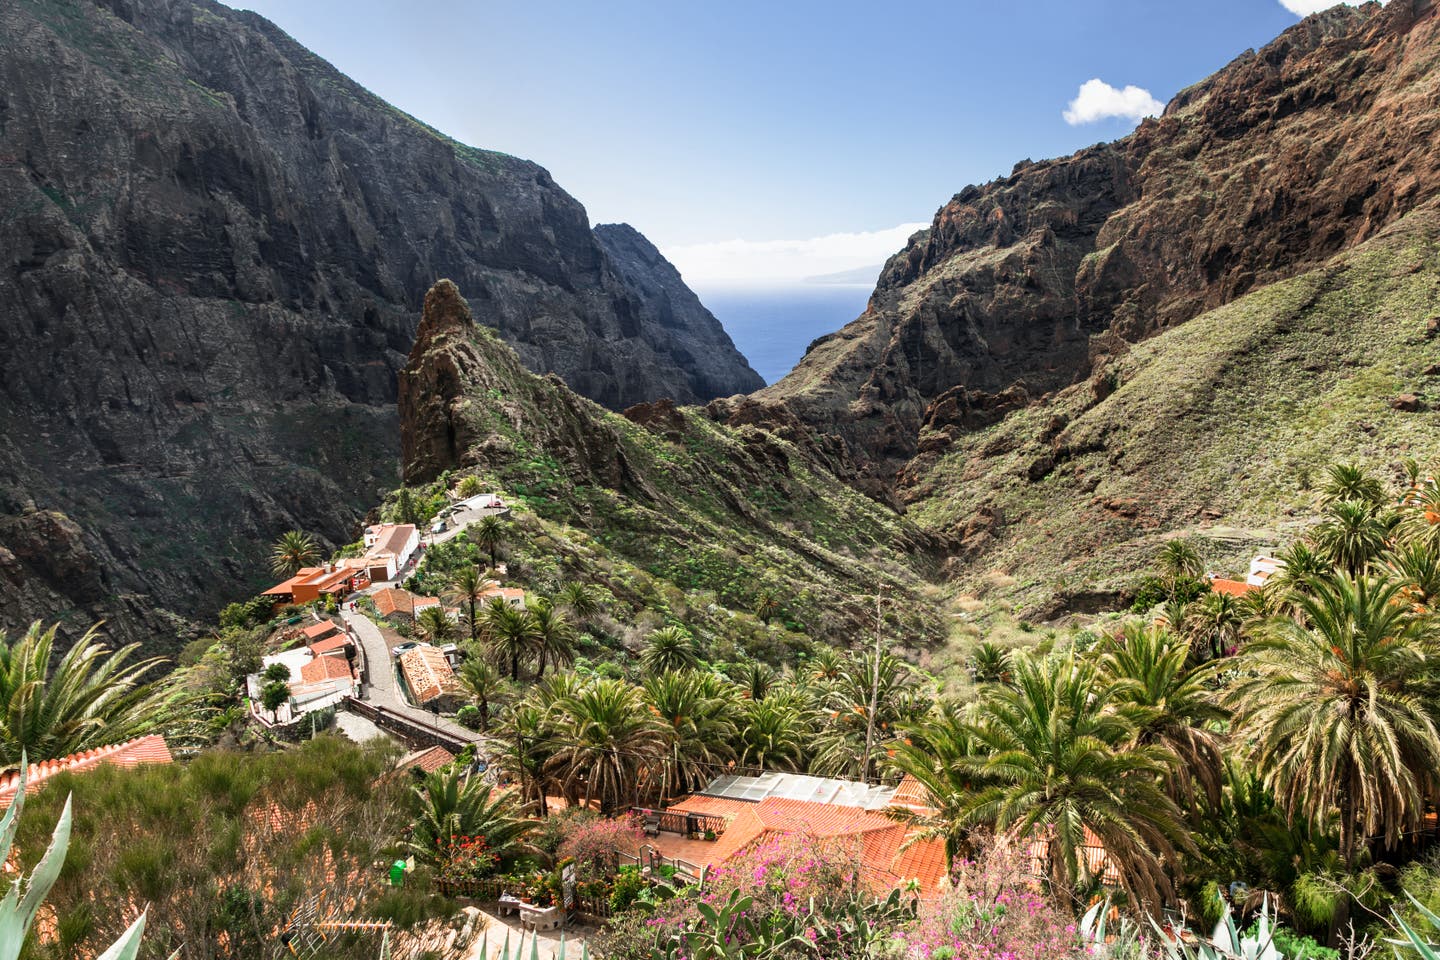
{"x":773,"y":322}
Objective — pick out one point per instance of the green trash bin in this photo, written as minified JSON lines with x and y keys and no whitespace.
{"x":397,"y":873}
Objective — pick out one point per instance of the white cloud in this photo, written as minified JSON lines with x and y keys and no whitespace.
{"x":729,"y":261}
{"x":1097,"y":100}
{"x":1303,"y":8}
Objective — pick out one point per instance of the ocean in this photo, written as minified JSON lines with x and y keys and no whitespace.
{"x":772,"y":325}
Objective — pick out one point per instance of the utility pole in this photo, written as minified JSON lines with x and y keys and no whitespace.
{"x":874,"y":689}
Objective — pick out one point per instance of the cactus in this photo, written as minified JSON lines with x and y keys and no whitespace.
{"x":22,"y":903}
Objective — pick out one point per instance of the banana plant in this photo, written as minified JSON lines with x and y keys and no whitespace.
{"x":22,"y":903}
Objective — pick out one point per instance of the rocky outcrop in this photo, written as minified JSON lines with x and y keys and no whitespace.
{"x":1285,"y":157}
{"x":212,"y":249}
{"x":694,"y":339}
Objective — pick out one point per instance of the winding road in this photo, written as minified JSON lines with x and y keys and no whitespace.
{"x":384,"y":687}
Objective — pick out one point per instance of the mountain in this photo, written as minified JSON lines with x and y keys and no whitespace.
{"x":1023,"y":286}
{"x":662,"y":503}
{"x":864,"y":276}
{"x":212,"y":249}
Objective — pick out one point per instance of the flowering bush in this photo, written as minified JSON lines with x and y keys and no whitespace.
{"x":594,"y":845}
{"x":992,"y":912}
{"x":465,"y":858}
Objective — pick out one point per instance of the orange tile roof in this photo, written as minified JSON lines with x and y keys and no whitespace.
{"x":427,"y":760}
{"x":428,"y":674}
{"x":338,"y":642}
{"x":880,"y":841}
{"x":151,"y":749}
{"x":322,"y":669}
{"x":911,"y":793}
{"x":390,"y":539}
{"x":393,"y":600}
{"x":326,"y":581}
{"x":1232,"y":588}
{"x":506,"y":593}
{"x":322,"y":629}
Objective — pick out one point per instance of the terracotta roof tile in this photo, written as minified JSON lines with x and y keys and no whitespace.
{"x":428,"y":760}
{"x":427,"y":673}
{"x":1232,"y":588}
{"x":322,"y":629}
{"x":393,"y":600}
{"x":151,"y":749}
{"x":329,"y":644}
{"x":325,"y":668}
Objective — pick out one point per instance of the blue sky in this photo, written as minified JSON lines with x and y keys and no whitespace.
{"x":733,"y":134}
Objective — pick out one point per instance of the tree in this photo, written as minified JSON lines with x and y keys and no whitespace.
{"x":1055,"y":763}
{"x":554,"y":637}
{"x":489,"y":533}
{"x":611,"y":736}
{"x":938,"y":752}
{"x":772,"y":735}
{"x":484,"y":684}
{"x":470,"y":486}
{"x":1347,"y":482}
{"x":405,"y":510}
{"x":1417,"y":566}
{"x":448,"y":805}
{"x":992,"y":663}
{"x":840,"y":747}
{"x":701,"y":721}
{"x":1215,"y":620}
{"x":1167,"y":703}
{"x":436,"y":625}
{"x":91,"y":698}
{"x":767,"y":604}
{"x":669,"y":648}
{"x":510,"y":632}
{"x":580,"y":600}
{"x":1351,"y":535}
{"x":467,"y":588}
{"x":1335,"y":706}
{"x":277,"y":671}
{"x":1179,"y":561}
{"x":292,"y":551}
{"x":273,"y":695}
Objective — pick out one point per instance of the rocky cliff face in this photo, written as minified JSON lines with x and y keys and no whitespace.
{"x":212,"y":248}
{"x":1024,"y":285}
{"x":698,"y":344}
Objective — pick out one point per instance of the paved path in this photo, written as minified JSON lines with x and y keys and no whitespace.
{"x":384,"y":687}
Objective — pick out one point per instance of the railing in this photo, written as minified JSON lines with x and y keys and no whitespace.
{"x":415,"y":732}
{"x":696,"y":826}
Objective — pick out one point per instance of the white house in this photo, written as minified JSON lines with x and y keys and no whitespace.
{"x":388,"y":547}
{"x":1261,"y":569}
{"x":481,"y":501}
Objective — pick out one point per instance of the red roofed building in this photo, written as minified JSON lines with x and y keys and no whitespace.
{"x":132,"y":753}
{"x":859,"y":823}
{"x":336,"y":646}
{"x":388,"y":547}
{"x":319,"y":631}
{"x":428,"y":677}
{"x":1232,"y":588}
{"x":312,"y":583}
{"x":393,"y":602}
{"x":324,"y":669}
{"x":513,"y":596}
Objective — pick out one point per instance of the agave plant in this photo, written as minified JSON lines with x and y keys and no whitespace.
{"x":1423,"y":948}
{"x":1226,"y":943}
{"x":22,"y":903}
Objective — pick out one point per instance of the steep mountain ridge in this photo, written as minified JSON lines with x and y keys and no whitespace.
{"x":213,"y":248}
{"x":692,"y":503}
{"x":1023,"y":286}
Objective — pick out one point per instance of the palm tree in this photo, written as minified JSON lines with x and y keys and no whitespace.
{"x":484,"y":684}
{"x":90,"y":698}
{"x":701,"y":722}
{"x":1300,"y":564}
{"x":1179,"y":561}
{"x":611,"y":737}
{"x":767,"y":604}
{"x":467,"y":587}
{"x":436,"y":625}
{"x":669,"y":648}
{"x":754,"y":679}
{"x":510,"y":633}
{"x":522,"y":749}
{"x":580,"y":600}
{"x":554,"y":637}
{"x":1215,"y":620}
{"x":991,"y":663}
{"x":1344,"y":481}
{"x":1416,"y":565}
{"x":1351,"y":535}
{"x":489,"y":533}
{"x":1333,"y":710}
{"x":937,"y":752}
{"x":1168,"y":704}
{"x":292,"y":551}
{"x":772,"y":735}
{"x":826,"y":664}
{"x":841,"y":744}
{"x":450,"y":806}
{"x":1056,"y":764}
{"x":469,"y":487}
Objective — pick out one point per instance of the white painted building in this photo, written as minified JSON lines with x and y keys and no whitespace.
{"x":388,"y":547}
